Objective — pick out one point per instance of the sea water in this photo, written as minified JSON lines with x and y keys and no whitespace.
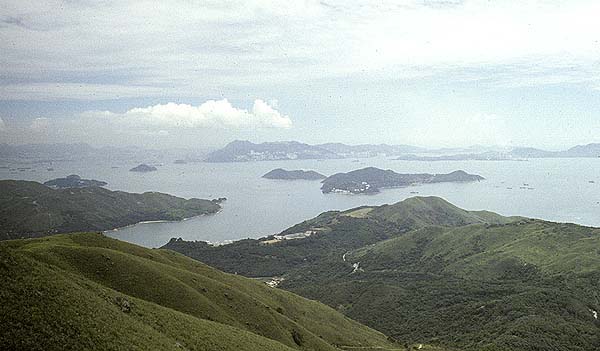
{"x":564,"y":190}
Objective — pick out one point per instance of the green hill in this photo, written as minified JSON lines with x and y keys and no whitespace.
{"x":87,"y":291}
{"x":425,"y":271}
{"x":31,"y":209}
{"x":335,"y":233}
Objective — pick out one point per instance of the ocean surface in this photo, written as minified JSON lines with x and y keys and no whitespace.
{"x":563,"y":190}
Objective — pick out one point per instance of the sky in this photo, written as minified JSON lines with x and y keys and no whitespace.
{"x":433,"y":73}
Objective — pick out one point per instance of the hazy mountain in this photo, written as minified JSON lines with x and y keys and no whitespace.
{"x":239,"y":151}
{"x":370,"y":150}
{"x":83,"y":152}
{"x":589,"y":150}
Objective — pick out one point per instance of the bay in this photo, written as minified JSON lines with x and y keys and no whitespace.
{"x":563,"y":190}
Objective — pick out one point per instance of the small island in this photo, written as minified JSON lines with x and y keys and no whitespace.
{"x":370,"y":180}
{"x":73,"y":181}
{"x":143,"y":168}
{"x":280,"y":173}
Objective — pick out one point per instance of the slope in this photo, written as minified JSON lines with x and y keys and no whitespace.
{"x":30,"y":209}
{"x":84,"y":291}
{"x":426,"y":271}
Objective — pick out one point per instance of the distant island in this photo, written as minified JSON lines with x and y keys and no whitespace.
{"x":370,"y":180}
{"x":281,"y":173}
{"x":31,"y":209}
{"x":73,"y":181}
{"x":143,"y":168}
{"x":242,"y":151}
{"x":484,"y":156}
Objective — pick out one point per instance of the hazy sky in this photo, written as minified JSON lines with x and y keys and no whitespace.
{"x":201,"y":73}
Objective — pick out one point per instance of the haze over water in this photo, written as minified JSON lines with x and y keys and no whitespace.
{"x":255,"y":207}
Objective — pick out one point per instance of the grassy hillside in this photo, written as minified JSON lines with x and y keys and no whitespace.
{"x":527,"y":285}
{"x":30,"y":209}
{"x":87,"y":291}
{"x":418,"y":212}
{"x":335,"y":233}
{"x":425,"y":271}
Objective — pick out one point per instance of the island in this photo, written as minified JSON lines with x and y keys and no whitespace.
{"x":484,"y":156}
{"x":73,"y":181}
{"x":244,"y":151}
{"x":31,"y":209}
{"x":370,"y":180}
{"x":143,"y":168}
{"x":281,"y":173}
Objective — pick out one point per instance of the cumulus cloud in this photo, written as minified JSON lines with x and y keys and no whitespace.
{"x":210,"y":114}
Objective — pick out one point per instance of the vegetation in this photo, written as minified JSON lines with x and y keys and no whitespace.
{"x":425,"y":271}
{"x":280,"y":173}
{"x":30,"y":209}
{"x":369,"y":180}
{"x":87,"y":291}
{"x":73,"y":181}
{"x":143,"y":168}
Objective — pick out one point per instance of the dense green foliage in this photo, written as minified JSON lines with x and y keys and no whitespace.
{"x":87,"y":291}
{"x":426,"y":271}
{"x":30,"y":209}
{"x":369,"y":180}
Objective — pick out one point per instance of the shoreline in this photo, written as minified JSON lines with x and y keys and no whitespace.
{"x":159,"y":221}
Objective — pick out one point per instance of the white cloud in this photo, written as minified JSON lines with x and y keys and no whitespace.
{"x":74,"y":91}
{"x":186,"y":48}
{"x":213,"y":122}
{"x":40,"y":124}
{"x":210,"y":114}
{"x":2,"y":125}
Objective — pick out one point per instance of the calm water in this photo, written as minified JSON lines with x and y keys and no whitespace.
{"x":257,"y":207}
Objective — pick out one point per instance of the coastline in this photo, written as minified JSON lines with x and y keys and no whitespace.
{"x":159,"y":221}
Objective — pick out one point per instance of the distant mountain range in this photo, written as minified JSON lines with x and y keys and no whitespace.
{"x":239,"y":151}
{"x":34,"y":153}
{"x":243,"y":151}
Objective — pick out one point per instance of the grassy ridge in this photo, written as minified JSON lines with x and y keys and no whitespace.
{"x":425,"y":271}
{"x":30,"y":209}
{"x":337,"y":233}
{"x":86,"y":291}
